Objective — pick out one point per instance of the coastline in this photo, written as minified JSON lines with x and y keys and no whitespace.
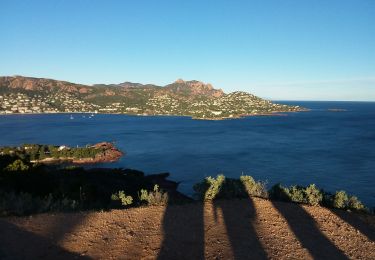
{"x":274,"y":113}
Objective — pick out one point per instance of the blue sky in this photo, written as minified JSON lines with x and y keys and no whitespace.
{"x":281,"y":49}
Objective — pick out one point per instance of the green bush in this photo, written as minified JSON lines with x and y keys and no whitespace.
{"x":153,"y":198}
{"x":12,"y":203}
{"x":310,"y":195}
{"x":253,"y":188}
{"x":279,"y":192}
{"x":355,"y":204}
{"x":17,"y":165}
{"x":296,"y":194}
{"x":226,"y":188}
{"x":209,"y":188}
{"x":340,"y":200}
{"x":314,"y":196}
{"x":121,"y":196}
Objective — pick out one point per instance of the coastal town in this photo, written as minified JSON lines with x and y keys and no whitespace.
{"x":25,"y":104}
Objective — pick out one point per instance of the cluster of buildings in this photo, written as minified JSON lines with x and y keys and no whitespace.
{"x":164,"y":104}
{"x":231,"y":105}
{"x":53,"y":103}
{"x":21,"y":103}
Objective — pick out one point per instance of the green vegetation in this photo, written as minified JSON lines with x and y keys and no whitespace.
{"x":225,"y":188}
{"x":310,"y":195}
{"x":341,"y":200}
{"x":209,"y":188}
{"x":37,"y":152}
{"x":42,"y":188}
{"x":22,"y":203}
{"x":314,"y":196}
{"x":153,"y":198}
{"x":253,"y":188}
{"x":120,"y":196}
{"x":17,"y":165}
{"x":33,"y":188}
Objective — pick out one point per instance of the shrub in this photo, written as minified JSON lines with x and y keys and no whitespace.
{"x":253,"y":188}
{"x":355,"y":204}
{"x":209,"y":188}
{"x":121,"y":196}
{"x":20,"y":204}
{"x":295,"y":194}
{"x":17,"y":165}
{"x":278,"y":192}
{"x":314,"y":196}
{"x":153,"y":198}
{"x":340,"y":200}
{"x":310,"y":195}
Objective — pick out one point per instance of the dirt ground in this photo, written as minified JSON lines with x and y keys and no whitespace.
{"x":227,"y":229}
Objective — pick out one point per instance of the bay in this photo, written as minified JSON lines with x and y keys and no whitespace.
{"x":333,"y":149}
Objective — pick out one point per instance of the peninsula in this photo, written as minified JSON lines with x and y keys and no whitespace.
{"x":196,"y":99}
{"x":37,"y":153}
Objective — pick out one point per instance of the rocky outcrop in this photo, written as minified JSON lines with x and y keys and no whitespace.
{"x":194,"y":88}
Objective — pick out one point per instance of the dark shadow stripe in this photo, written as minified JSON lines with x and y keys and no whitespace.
{"x":357,"y":223}
{"x":183,"y":228}
{"x":16,"y":243}
{"x":238,"y":217}
{"x":306,"y":231}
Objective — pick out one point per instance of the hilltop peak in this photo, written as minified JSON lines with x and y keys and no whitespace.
{"x":194,"y":88}
{"x":179,"y":81}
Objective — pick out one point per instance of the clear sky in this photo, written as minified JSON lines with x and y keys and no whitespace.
{"x":281,"y":49}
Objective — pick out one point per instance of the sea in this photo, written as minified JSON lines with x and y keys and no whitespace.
{"x":332,"y":145}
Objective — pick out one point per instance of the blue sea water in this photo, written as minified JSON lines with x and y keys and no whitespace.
{"x":335,"y":150}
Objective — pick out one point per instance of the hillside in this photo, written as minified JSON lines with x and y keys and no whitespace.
{"x":182,"y":98}
{"x":235,"y":229}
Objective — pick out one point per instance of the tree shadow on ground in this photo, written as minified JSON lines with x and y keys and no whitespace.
{"x":356,"y":222}
{"x":184,"y":236}
{"x":16,"y":243}
{"x":241,"y":234}
{"x":183,"y":232}
{"x":306,"y":231}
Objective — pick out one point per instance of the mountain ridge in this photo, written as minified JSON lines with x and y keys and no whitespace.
{"x":188,"y":98}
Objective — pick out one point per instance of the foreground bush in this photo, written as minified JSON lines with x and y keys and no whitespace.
{"x":253,"y":188}
{"x":310,"y":195}
{"x":86,"y":189}
{"x":153,"y":198}
{"x":123,"y":198}
{"x":226,"y":188}
{"x":42,"y":189}
{"x":209,"y":188}
{"x":17,"y":165}
{"x":314,"y":196}
{"x":220,"y":187}
{"x":340,"y":200}
{"x":20,"y":204}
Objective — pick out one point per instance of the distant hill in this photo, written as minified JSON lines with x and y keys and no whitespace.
{"x":183,"y":98}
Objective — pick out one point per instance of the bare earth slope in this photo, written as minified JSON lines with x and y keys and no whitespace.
{"x":240,"y":229}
